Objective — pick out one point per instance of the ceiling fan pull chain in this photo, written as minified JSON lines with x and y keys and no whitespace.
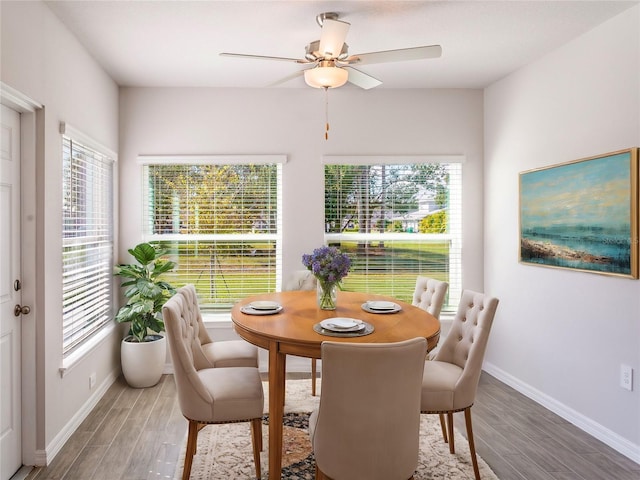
{"x":326,"y":112}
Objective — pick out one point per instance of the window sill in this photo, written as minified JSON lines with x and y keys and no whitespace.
{"x":217,"y":320}
{"x":81,"y":352}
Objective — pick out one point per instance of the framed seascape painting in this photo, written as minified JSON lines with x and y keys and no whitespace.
{"x":582,"y":215}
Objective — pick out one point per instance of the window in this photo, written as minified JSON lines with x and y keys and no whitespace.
{"x":397,"y":220}
{"x":219,"y":217}
{"x":87,"y":243}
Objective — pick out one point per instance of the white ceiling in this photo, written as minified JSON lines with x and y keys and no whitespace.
{"x":177,"y":43}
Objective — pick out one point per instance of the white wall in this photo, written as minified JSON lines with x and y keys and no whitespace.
{"x":560,"y":335}
{"x":44,"y":62}
{"x":291,"y":122}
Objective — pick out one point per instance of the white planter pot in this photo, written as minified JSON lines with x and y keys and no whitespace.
{"x":143,"y":363}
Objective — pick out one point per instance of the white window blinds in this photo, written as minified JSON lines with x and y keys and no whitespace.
{"x":221,"y":223}
{"x":396,"y":221}
{"x":87,"y":231}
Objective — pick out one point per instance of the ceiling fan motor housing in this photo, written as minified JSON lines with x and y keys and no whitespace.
{"x":320,"y":18}
{"x":312,"y":52}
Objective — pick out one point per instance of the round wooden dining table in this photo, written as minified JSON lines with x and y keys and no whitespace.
{"x":290,"y":331}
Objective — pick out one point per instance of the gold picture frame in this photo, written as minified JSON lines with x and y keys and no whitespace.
{"x":582,"y":215}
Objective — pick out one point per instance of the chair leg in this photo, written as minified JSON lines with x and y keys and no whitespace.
{"x":200,"y":427}
{"x":256,"y":429}
{"x":192,"y":442}
{"x":472,"y":446}
{"x":452,"y":447}
{"x":256,"y":440}
{"x":313,"y":377}
{"x":443,"y":426}
{"x":320,"y":475}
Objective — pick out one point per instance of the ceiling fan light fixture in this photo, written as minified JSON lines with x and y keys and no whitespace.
{"x":326,"y":76}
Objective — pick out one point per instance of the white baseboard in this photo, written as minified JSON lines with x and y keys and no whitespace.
{"x":596,"y":430}
{"x":44,"y":457}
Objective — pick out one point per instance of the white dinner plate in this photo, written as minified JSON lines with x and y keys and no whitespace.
{"x":367,"y":307}
{"x":264,"y":305}
{"x":249,"y":310}
{"x":381,"y":305}
{"x":340,"y":324}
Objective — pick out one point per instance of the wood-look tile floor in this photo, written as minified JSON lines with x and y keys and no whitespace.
{"x":137,"y":434}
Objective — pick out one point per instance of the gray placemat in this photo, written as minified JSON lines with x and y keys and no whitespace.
{"x":368,"y":328}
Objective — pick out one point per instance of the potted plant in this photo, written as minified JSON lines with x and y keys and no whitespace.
{"x":143,"y":350}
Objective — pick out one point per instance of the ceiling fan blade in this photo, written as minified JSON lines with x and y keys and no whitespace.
{"x":361,"y":79}
{"x":264,"y":57}
{"x":334,"y":33}
{"x":286,"y":79}
{"x":399,"y":55}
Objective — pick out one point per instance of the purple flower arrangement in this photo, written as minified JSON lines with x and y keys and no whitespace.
{"x":328,"y":264}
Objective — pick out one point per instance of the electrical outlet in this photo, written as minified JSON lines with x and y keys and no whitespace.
{"x":92,"y":380}
{"x":626,"y":377}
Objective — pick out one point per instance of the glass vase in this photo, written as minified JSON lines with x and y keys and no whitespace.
{"x":327,"y":295}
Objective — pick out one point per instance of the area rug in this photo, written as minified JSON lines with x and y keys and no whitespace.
{"x":224,"y":451}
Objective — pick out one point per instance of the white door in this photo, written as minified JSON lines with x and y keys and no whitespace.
{"x":10,"y":338}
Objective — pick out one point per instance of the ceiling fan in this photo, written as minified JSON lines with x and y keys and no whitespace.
{"x":331,"y":65}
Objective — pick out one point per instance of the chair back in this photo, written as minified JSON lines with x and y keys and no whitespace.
{"x":300,"y":280}
{"x":430,"y":294}
{"x":191,"y":299}
{"x":367,"y":424}
{"x":190,"y":311}
{"x":182,"y":334}
{"x":467,"y":341}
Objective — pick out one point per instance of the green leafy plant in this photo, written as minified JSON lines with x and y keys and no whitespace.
{"x":145,"y":292}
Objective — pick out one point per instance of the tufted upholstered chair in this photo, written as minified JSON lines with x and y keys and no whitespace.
{"x":300,"y":280}
{"x":209,"y":395}
{"x":429,"y":295}
{"x":304,"y":280}
{"x":367,"y":425}
{"x":450,"y":380}
{"x":207,"y":353}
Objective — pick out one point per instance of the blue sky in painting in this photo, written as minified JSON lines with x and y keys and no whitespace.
{"x":592,"y":192}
